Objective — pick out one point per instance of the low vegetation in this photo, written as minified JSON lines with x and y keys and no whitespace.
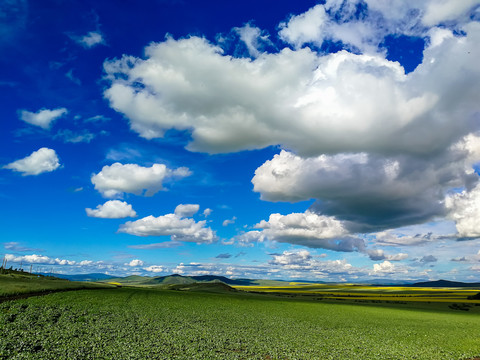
{"x":368,"y":293}
{"x":141,"y":323}
{"x":18,"y":283}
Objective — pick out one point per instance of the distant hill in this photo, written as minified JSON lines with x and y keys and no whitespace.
{"x":128,"y":280}
{"x":180,"y":279}
{"x":445,"y":283}
{"x":177,"y":279}
{"x":170,"y":280}
{"x":215,"y":287}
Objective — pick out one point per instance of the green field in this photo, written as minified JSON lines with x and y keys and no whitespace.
{"x":20,"y":283}
{"x":148,"y":323}
{"x":369,"y":293}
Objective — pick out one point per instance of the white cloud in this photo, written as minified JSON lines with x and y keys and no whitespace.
{"x":340,"y":101}
{"x":123,"y":153}
{"x":186,"y":210}
{"x":469,"y":258}
{"x":229,"y":221}
{"x":392,"y":238}
{"x":92,"y":39}
{"x":288,"y":258}
{"x":464,"y":209}
{"x":69,"y":136}
{"x":86,"y":263}
{"x":379,"y":254}
{"x":42,"y":118}
{"x":374,"y":146}
{"x":373,"y":192}
{"x":303,"y":260}
{"x":384,"y":267}
{"x":239,"y":271}
{"x":306,"y":27}
{"x":116,"y":179}
{"x":112,"y":209}
{"x":253,"y":39}
{"x":155,"y":268}
{"x":440,"y":11}
{"x":135,"y":262}
{"x":162,"y":245}
{"x":37,"y":259}
{"x":15,"y":246}
{"x":207,"y":212}
{"x":40,"y":161}
{"x":178,"y":228}
{"x":307,"y":229}
{"x":363,"y":25}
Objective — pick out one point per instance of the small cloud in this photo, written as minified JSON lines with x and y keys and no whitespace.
{"x":38,"y":259}
{"x":186,"y":210}
{"x":178,"y":228}
{"x":125,"y":153}
{"x":97,"y":118}
{"x":74,"y":79}
{"x":42,"y":118}
{"x":155,"y":269}
{"x":113,"y":209}
{"x":163,"y":245}
{"x":229,"y":221}
{"x":114,"y":180}
{"x":241,"y":253}
{"x":428,"y":259}
{"x":69,"y":136}
{"x":253,"y":38}
{"x":384,"y":267}
{"x":378,"y":254}
{"x":207,"y":212}
{"x":135,"y":262}
{"x":223,"y":256}
{"x":15,"y":246}
{"x":40,"y":161}
{"x":90,"y":40}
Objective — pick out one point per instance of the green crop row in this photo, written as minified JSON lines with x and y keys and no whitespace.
{"x":158,"y":324}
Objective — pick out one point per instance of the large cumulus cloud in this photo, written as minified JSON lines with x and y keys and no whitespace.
{"x":375,"y":146}
{"x":372,"y":192}
{"x":307,"y":229}
{"x":464,"y":208}
{"x":341,"y":102}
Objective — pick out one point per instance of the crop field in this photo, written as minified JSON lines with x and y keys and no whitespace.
{"x":148,"y":323}
{"x":373,"y":293}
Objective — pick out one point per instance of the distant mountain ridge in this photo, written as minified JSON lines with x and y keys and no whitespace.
{"x":444,"y":283}
{"x":177,"y":279}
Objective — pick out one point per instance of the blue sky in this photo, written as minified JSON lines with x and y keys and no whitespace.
{"x":330,"y":141}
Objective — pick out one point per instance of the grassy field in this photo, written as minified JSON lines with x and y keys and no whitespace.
{"x":22,"y":283}
{"x":141,"y":323}
{"x":370,"y":293}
